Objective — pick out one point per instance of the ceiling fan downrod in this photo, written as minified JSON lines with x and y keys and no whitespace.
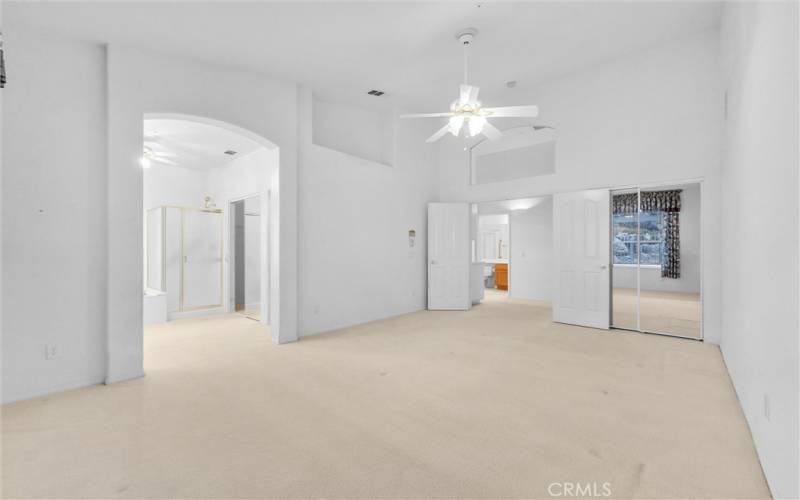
{"x":465,"y":38}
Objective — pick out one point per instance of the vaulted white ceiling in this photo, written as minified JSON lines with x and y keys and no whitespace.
{"x":407,"y":49}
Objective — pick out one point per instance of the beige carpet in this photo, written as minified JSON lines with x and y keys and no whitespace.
{"x":673,"y":313}
{"x":497,"y":402}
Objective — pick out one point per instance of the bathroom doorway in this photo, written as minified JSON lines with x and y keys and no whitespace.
{"x":512,"y":252}
{"x":246,"y":257}
{"x":205,"y":195}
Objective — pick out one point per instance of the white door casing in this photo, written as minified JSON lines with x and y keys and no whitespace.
{"x":448,"y":256}
{"x":582,"y":229}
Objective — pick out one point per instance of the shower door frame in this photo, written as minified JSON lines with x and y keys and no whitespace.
{"x":182,"y":256}
{"x":638,"y":188}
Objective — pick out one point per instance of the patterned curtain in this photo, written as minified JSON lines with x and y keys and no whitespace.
{"x":671,"y":267}
{"x":668,"y":202}
{"x":661,"y":201}
{"x":627,"y":203}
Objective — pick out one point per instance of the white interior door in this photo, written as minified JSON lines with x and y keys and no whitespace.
{"x":448,"y":256}
{"x":582,"y":241}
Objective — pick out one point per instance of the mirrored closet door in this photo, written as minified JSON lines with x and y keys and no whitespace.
{"x":656,"y":260}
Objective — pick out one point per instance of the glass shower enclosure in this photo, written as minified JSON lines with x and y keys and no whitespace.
{"x":184,"y":256}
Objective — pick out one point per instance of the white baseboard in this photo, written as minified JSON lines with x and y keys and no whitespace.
{"x":195,"y":314}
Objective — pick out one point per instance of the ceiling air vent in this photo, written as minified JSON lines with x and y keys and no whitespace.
{"x":230,"y":152}
{"x":376,"y":93}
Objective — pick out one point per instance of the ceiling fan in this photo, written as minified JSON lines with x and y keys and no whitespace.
{"x":154,"y":151}
{"x":467,"y":108}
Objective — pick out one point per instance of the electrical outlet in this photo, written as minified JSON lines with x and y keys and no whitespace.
{"x":50,"y":351}
{"x":766,"y":406}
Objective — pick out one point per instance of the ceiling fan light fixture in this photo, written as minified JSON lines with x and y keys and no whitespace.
{"x":476,"y":123}
{"x":455,"y":124}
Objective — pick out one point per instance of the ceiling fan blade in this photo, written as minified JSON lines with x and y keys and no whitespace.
{"x":492,"y":132}
{"x":469,"y":94}
{"x":165,"y":154}
{"x":439,"y":134}
{"x":512,"y":111}
{"x":156,"y":146}
{"x":165,"y":161}
{"x":425,"y":115}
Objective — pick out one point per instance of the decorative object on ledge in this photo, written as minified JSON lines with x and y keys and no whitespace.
{"x":2,"y":64}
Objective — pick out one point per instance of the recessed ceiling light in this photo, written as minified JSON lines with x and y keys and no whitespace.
{"x":230,"y":152}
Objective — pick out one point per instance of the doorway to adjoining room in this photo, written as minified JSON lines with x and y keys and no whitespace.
{"x":512,"y":249}
{"x":205,"y":196}
{"x":245,"y":256}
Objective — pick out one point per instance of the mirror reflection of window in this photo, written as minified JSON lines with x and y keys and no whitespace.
{"x":644,"y":245}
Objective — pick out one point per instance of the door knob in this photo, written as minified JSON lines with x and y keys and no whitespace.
{"x":604,"y":267}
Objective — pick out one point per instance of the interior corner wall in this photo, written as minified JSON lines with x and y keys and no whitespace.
{"x":54,"y":224}
{"x":355,"y":261}
{"x":651,"y":116}
{"x":760,"y":229}
{"x":530,"y":268}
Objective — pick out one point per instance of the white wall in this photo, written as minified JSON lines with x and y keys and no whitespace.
{"x":354,"y":131}
{"x":760,"y":229}
{"x":689,"y":282}
{"x":652,"y":116}
{"x":530,"y":270}
{"x":355,"y":214}
{"x":170,"y":185}
{"x":54,"y":217}
{"x":508,"y":164}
